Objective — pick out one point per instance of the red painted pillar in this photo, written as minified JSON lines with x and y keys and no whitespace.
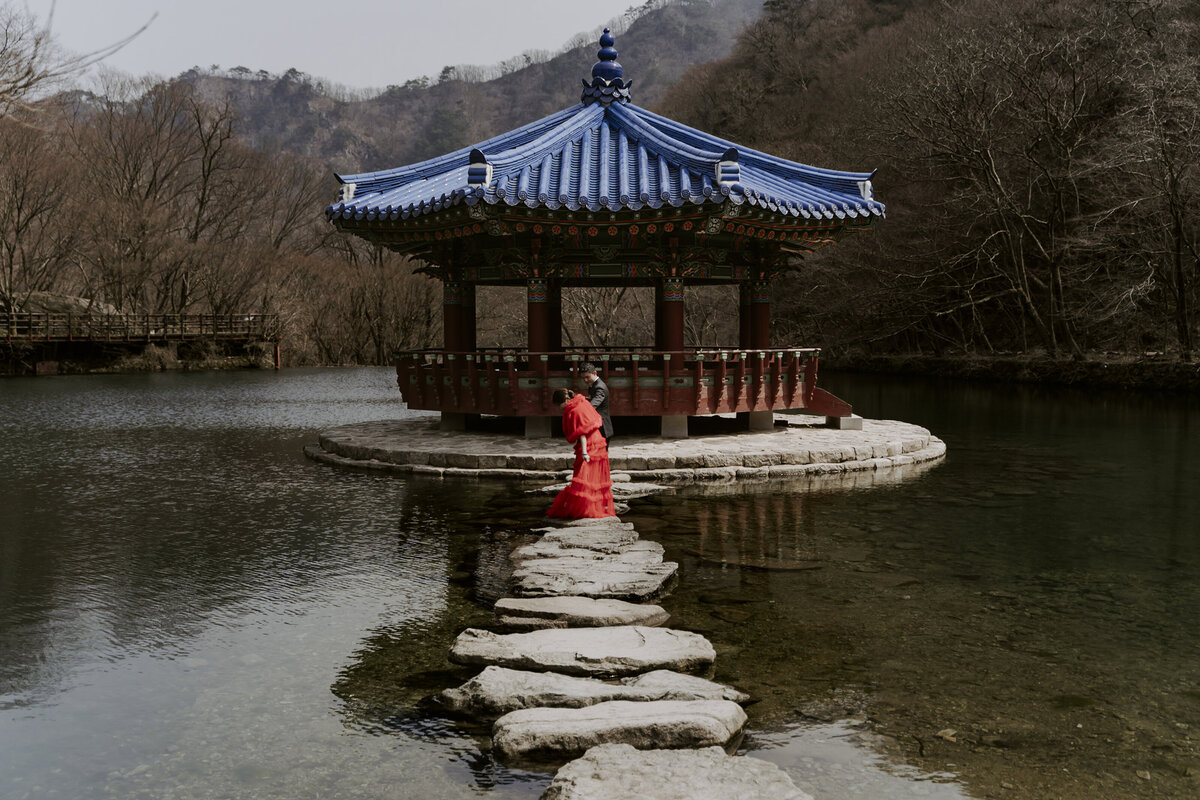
{"x":671,"y":312}
{"x":451,"y":316}
{"x":537,"y":297}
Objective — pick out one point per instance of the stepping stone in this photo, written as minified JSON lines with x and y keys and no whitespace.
{"x":587,"y":522}
{"x":669,"y":724}
{"x":533,"y":613}
{"x":605,"y":540}
{"x":543,"y":577}
{"x":620,"y":770}
{"x":622,"y":490}
{"x":631,"y":553}
{"x":498,"y":690}
{"x":623,"y":650}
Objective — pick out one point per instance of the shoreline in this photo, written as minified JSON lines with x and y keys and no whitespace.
{"x":1154,"y":372}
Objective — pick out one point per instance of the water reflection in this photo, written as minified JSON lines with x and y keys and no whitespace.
{"x":180,"y":590}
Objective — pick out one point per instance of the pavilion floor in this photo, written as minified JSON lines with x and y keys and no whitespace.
{"x":883,"y":451}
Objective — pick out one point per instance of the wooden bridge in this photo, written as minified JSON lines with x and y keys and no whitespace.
{"x":38,"y":341}
{"x":45,"y":327}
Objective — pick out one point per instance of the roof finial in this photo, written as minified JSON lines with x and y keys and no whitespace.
{"x":607,"y":67}
{"x":608,"y":83}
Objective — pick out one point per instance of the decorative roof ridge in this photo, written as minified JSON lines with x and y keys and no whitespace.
{"x":802,"y":169}
{"x":608,"y":83}
{"x":438,"y":164}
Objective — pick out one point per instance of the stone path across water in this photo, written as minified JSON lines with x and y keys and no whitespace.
{"x":552,"y":689}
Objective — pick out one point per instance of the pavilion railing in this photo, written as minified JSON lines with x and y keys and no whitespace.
{"x":46,"y":327}
{"x":642,"y":382}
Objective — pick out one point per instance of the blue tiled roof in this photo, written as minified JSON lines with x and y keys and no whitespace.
{"x":606,"y":154}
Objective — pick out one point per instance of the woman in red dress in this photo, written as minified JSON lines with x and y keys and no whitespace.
{"x":589,"y":494}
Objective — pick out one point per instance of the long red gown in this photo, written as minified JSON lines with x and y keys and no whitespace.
{"x":589,"y":494}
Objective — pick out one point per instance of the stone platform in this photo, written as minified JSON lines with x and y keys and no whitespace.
{"x":798,"y":446}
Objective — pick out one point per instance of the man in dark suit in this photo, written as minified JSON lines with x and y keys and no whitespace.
{"x":598,"y":395}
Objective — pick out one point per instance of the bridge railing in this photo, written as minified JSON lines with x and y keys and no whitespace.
{"x":56,"y":327}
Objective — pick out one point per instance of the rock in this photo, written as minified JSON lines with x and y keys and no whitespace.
{"x":542,"y":577}
{"x":609,"y":540}
{"x":549,"y":732}
{"x":532,"y":613}
{"x":498,"y":690}
{"x":623,"y":650}
{"x":621,"y":489}
{"x":620,"y":770}
{"x":589,"y":522}
{"x":677,"y":686}
{"x":631,"y":553}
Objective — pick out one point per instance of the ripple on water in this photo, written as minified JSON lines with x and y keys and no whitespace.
{"x":841,"y":761}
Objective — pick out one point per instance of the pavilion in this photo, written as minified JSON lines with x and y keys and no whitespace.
{"x":606,"y":193}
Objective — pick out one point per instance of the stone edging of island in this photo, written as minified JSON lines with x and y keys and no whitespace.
{"x":800,"y":449}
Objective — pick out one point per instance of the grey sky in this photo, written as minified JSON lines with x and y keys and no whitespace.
{"x":367,"y":43}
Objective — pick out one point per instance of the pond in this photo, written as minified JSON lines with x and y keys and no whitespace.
{"x":191,"y":609}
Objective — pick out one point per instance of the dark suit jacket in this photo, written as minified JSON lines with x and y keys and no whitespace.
{"x":598,"y":395}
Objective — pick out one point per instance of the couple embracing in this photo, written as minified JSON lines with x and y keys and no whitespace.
{"x":586,"y":424}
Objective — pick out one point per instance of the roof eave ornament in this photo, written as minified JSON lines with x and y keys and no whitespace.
{"x":608,"y":83}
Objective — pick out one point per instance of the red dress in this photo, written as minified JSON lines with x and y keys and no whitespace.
{"x":589,"y":494}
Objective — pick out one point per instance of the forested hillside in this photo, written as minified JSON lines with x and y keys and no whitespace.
{"x":1039,"y":160}
{"x":464,"y":104}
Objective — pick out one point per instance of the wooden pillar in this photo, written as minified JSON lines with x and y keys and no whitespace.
{"x":671,"y":312}
{"x":452,"y":316}
{"x":760,"y":315}
{"x":745,"y":291}
{"x":537,"y":297}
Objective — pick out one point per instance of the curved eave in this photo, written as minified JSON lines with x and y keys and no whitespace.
{"x":607,"y":158}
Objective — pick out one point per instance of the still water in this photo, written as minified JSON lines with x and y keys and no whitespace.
{"x":191,"y":609}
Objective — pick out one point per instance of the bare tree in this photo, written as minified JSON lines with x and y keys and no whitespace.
{"x":34,"y":241}
{"x":30,"y":61}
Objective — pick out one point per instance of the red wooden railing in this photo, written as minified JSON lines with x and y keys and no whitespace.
{"x":642,"y":382}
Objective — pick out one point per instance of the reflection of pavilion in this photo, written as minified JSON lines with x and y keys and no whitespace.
{"x":606,"y":193}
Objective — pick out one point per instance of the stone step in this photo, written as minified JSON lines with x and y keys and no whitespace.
{"x":615,"y":651}
{"x":620,"y":770}
{"x":564,"y":732}
{"x":631,"y":553}
{"x":534,"y":613}
{"x":545,"y":577}
{"x":498,"y":690}
{"x":587,"y":522}
{"x":605,"y":539}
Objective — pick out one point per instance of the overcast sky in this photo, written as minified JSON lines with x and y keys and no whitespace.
{"x":366,"y":43}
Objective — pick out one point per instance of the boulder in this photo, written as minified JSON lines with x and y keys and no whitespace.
{"x":620,"y":770}
{"x":616,"y":651}
{"x":498,"y":690}
{"x":542,"y":577}
{"x":669,"y":724}
{"x":533,"y":613}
